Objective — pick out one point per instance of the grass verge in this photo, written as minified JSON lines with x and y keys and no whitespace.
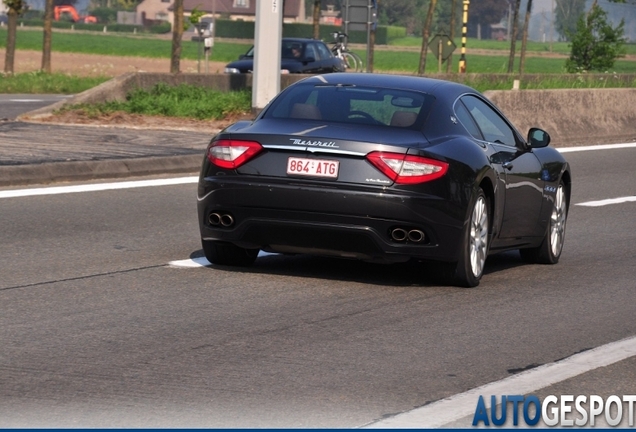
{"x":186,"y":101}
{"x":42,"y":83}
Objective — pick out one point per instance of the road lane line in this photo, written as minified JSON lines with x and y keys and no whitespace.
{"x":596,"y":147}
{"x":609,"y":201}
{"x":55,"y":190}
{"x":190,"y":263}
{"x":202,"y":262}
{"x":461,"y":405}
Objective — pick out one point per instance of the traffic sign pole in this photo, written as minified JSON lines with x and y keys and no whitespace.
{"x":462,"y":59}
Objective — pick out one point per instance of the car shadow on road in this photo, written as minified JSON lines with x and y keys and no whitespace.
{"x":412,"y":273}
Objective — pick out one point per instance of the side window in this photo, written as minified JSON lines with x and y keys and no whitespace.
{"x":323,"y":51}
{"x":310,"y":51}
{"x":492,"y":126}
{"x":464,"y":117}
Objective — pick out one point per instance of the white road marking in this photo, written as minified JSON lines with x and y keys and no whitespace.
{"x":596,"y":147}
{"x":461,"y":405}
{"x":609,"y":201}
{"x":26,"y":100}
{"x":55,"y":190}
{"x":202,"y":262}
{"x":190,"y":263}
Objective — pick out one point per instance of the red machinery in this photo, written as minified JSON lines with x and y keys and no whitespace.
{"x":75,"y":17}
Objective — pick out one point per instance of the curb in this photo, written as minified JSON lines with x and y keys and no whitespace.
{"x":49,"y":172}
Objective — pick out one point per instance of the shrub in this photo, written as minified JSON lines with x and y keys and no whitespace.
{"x":596,"y":44}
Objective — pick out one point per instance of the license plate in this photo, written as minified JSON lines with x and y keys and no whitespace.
{"x":312,"y":167}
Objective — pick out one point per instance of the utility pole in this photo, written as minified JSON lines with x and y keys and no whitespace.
{"x":267,"y":42}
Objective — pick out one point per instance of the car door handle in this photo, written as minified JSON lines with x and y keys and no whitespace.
{"x":507,"y":165}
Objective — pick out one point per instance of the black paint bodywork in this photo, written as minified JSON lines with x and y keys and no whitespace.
{"x":353,"y":215}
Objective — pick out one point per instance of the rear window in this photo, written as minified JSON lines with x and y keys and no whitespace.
{"x":353,"y":105}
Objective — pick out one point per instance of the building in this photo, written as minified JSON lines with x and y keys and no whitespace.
{"x":237,"y":10}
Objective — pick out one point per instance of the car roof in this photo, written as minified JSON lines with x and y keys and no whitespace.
{"x":441,"y":89}
{"x":303,"y":40}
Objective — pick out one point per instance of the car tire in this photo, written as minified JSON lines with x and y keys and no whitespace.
{"x":222,"y":253}
{"x":467,"y":271}
{"x":549,"y":251}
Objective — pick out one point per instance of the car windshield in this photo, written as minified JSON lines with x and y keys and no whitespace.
{"x":354,"y":105}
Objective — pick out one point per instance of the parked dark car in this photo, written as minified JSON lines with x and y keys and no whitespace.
{"x":298,"y":55}
{"x":383,"y":168}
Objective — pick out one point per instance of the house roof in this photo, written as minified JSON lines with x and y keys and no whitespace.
{"x":291,"y":7}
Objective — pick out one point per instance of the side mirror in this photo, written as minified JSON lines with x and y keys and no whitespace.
{"x":538,"y":138}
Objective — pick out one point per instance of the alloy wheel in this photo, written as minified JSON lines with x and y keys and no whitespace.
{"x":478,"y":236}
{"x":557,"y":222}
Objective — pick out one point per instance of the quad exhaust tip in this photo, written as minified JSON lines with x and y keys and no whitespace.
{"x":223,"y":219}
{"x":403,"y":235}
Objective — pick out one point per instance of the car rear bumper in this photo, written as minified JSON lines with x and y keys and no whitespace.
{"x":358,"y":222}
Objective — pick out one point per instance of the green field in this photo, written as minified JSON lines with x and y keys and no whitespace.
{"x":385,"y":60}
{"x":490,"y":44}
{"x":395,"y":61}
{"x":120,"y":45}
{"x":408,"y":62}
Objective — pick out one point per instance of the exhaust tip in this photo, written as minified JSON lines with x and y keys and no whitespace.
{"x":227,"y":220}
{"x":214,"y":218}
{"x":416,"y":236}
{"x":398,"y":234}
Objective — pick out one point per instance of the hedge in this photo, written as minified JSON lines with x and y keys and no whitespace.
{"x":245,"y":30}
{"x":119,"y":28}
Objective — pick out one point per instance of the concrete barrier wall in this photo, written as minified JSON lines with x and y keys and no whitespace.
{"x":571,"y":117}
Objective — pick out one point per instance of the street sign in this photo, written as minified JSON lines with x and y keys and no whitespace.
{"x":444,"y":43}
{"x":359,"y":13}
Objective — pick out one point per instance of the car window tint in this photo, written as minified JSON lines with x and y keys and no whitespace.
{"x":492,"y":126}
{"x":355,"y":105}
{"x":323,"y":51}
{"x":310,"y":51}
{"x":464,"y":117}
{"x":292,"y":49}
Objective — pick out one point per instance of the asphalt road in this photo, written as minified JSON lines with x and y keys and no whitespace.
{"x":98,"y":330}
{"x":12,"y":105}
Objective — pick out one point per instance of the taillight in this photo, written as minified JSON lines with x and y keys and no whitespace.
{"x":407,"y":169}
{"x":232,"y":154}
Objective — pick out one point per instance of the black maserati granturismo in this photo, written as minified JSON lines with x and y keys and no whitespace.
{"x":383,"y":168}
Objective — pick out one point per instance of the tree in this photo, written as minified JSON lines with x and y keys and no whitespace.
{"x":449,"y":61}
{"x":524,"y":39}
{"x":596,"y":44}
{"x":15,"y":8}
{"x":177,"y":34}
{"x":425,"y":33}
{"x":47,"y":36}
{"x":513,"y":36}
{"x":486,"y":12}
{"x":402,"y":13}
{"x":567,"y":13}
{"x":316,"y":16}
